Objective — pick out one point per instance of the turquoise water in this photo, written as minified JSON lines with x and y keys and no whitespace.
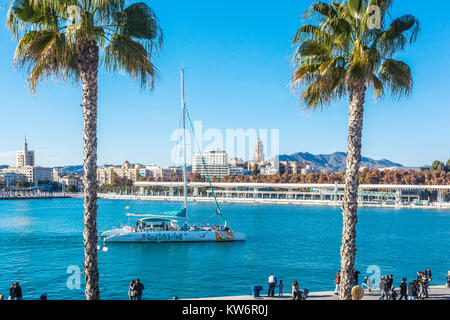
{"x":40,"y":239}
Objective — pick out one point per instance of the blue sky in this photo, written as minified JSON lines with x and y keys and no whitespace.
{"x":236,"y":55}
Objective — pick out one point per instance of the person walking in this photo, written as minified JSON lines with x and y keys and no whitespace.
{"x":272,"y":284}
{"x":384,"y":289}
{"x":280,"y":288}
{"x":131,"y":291}
{"x":17,"y":292}
{"x":337,"y":280}
{"x":367,"y":283}
{"x":139,"y":287}
{"x":403,"y":289}
{"x":412,"y":290}
{"x":11,"y":292}
{"x":294,"y":292}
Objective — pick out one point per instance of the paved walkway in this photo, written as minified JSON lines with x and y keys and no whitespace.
{"x":435,"y":293}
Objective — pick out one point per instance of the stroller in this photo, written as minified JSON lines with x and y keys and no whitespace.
{"x":301,"y":294}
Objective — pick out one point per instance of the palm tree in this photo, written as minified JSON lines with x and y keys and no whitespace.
{"x":67,"y":40}
{"x":346,"y":48}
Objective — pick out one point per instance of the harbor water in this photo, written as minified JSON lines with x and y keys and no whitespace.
{"x":41,"y":246}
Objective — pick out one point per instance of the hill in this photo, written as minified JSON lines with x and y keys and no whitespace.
{"x":335,"y":162}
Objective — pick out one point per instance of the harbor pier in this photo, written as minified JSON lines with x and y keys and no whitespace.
{"x":378,"y":195}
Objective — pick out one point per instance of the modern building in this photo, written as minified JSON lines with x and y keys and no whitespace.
{"x":25,"y":157}
{"x":215,"y":161}
{"x":35,"y":174}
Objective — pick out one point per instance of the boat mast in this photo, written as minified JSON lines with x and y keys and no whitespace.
{"x":183,"y":119}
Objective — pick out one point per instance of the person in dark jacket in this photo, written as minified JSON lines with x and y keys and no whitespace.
{"x":412,"y":290}
{"x":403,"y":289}
{"x":355,"y":276}
{"x":390,"y":280}
{"x":139,"y":287}
{"x":17,"y":292}
{"x":11,"y":292}
{"x":428,"y":273}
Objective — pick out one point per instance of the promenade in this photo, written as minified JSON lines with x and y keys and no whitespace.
{"x":435,"y":293}
{"x":250,"y":200}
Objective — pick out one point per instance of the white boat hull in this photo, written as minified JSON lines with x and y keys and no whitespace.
{"x":176,"y":236}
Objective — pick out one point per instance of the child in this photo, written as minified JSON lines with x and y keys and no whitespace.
{"x":393,"y":293}
{"x":280,"y":288}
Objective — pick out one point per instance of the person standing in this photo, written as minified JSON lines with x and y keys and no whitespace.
{"x":390,"y":283}
{"x":131,"y":290}
{"x":390,"y":280}
{"x":272,"y":284}
{"x":355,"y":276}
{"x":337,"y":280}
{"x":427,"y":280}
{"x":428,"y":273}
{"x":11,"y":292}
{"x":412,"y":291}
{"x":280,"y":288}
{"x":17,"y":292}
{"x":295,"y":294}
{"x":367,"y":283}
{"x":424,"y":285}
{"x":403,"y":289}
{"x":139,"y":287}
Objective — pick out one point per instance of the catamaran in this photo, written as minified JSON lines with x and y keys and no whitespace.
{"x":169,"y":226}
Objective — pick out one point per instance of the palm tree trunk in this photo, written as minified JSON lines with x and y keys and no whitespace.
{"x":350,"y":204}
{"x":87,"y":59}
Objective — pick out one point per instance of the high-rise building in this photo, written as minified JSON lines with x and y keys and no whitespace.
{"x":25,"y":157}
{"x":216,"y":163}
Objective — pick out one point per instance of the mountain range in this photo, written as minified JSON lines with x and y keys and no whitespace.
{"x":335,"y":162}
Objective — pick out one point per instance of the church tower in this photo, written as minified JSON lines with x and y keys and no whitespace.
{"x":258,"y":154}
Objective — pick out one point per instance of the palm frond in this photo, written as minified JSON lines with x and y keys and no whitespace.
{"x":124,"y":54}
{"x":396,"y":75}
{"x":402,"y":30}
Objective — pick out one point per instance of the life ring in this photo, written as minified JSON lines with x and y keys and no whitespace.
{"x":202,"y":225}
{"x":357,"y":293}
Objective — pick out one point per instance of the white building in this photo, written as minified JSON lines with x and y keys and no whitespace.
{"x":215,"y":161}
{"x":237,"y":171}
{"x":268,"y":170}
{"x":25,"y":157}
{"x":35,"y":174}
{"x":11,"y":177}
